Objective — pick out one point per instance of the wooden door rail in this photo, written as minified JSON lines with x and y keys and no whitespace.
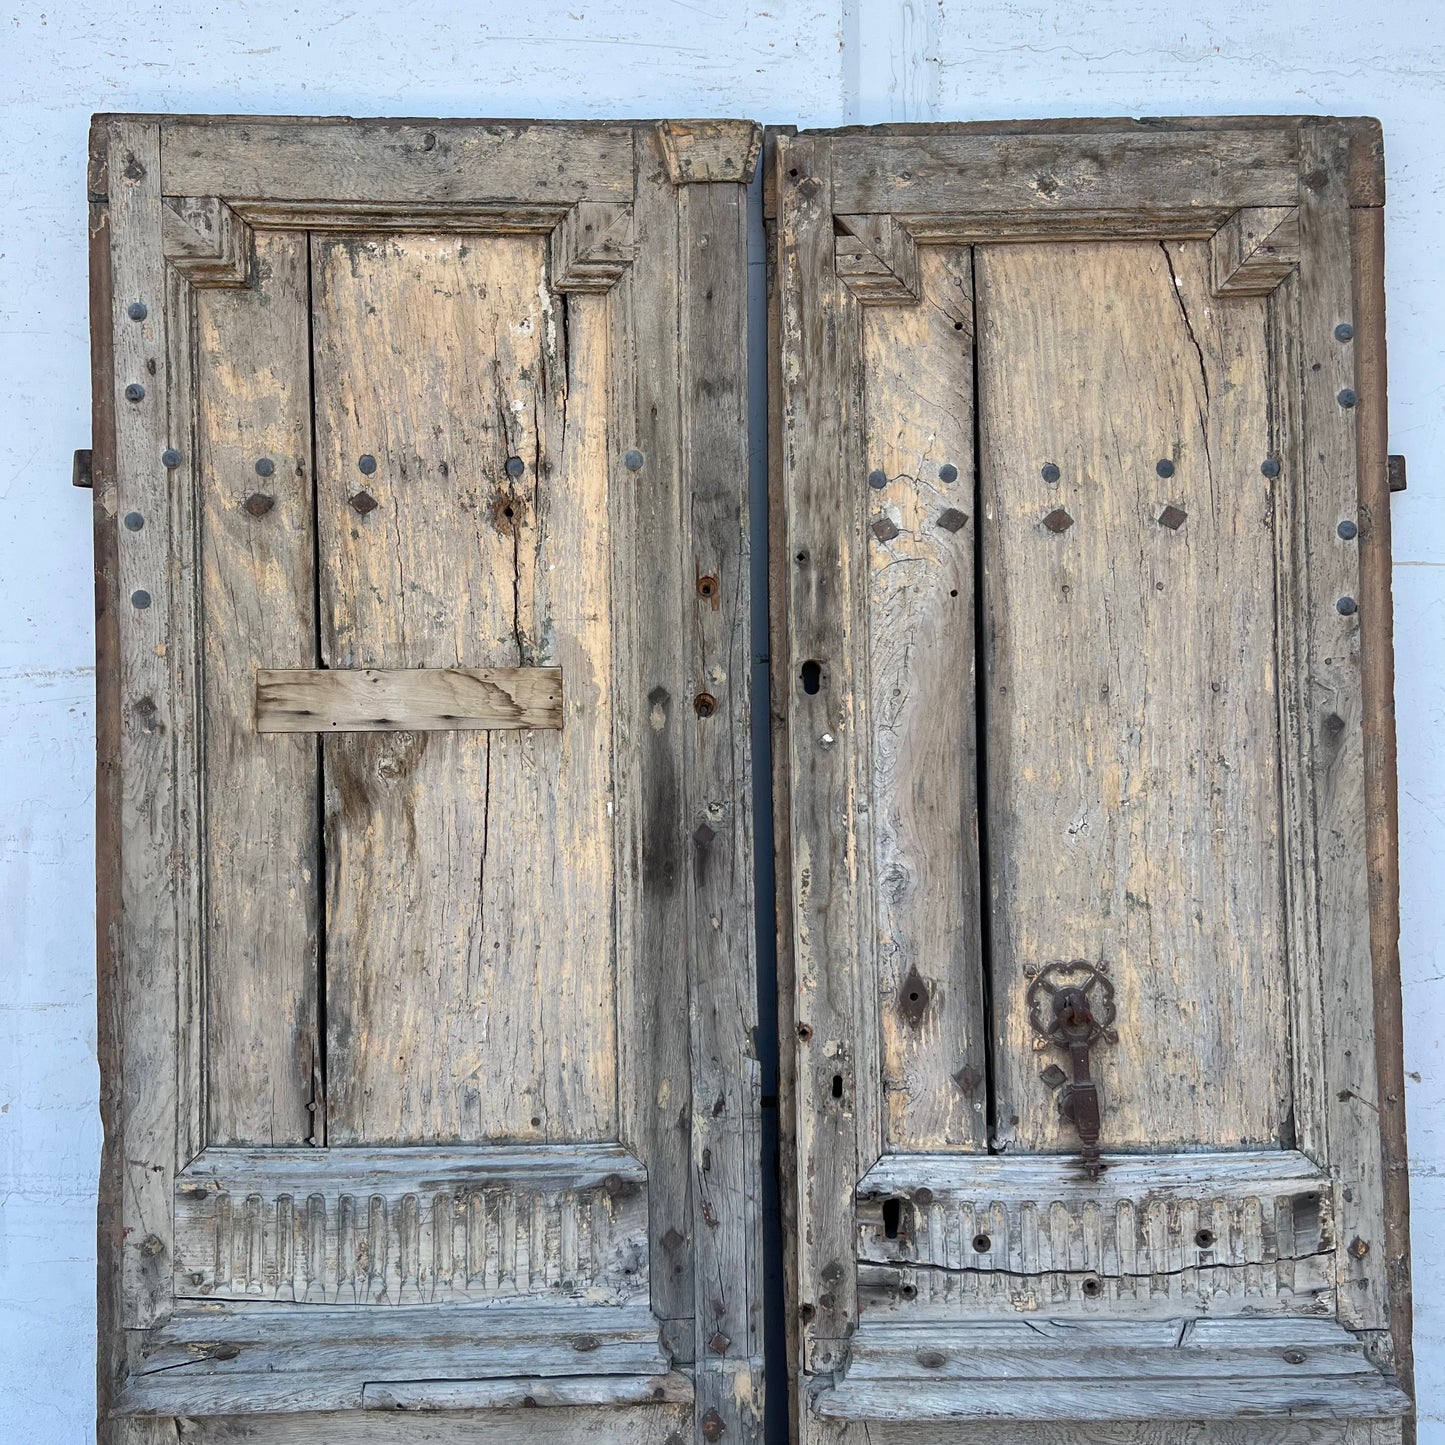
{"x":419,"y":699}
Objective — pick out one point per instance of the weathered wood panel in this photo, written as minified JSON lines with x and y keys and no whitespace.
{"x":952,"y":170}
{"x":1159,"y":1233}
{"x":258,"y":607}
{"x":726,"y":1137}
{"x":607,"y":1425}
{"x":395,"y":163}
{"x":1129,"y":657}
{"x":413,"y":1226}
{"x":918,"y":419}
{"x":409,"y":699}
{"x":836,"y":1099}
{"x":1331,"y":625}
{"x":463,"y":523}
{"x":1113,"y":1432}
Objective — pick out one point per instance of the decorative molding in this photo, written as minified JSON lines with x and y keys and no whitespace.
{"x":591,"y":247}
{"x":1254,"y":250}
{"x":1027,"y":1233}
{"x":698,"y":151}
{"x":206,"y":241}
{"x":876,"y":258}
{"x":481,"y":218}
{"x":397,"y":1226}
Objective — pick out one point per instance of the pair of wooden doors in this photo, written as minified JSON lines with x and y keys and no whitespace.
{"x":430,"y":1025}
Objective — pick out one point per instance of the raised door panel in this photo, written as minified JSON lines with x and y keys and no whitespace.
{"x":434,"y":883}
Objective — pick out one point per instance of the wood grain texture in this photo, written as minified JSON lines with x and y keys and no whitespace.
{"x":609,"y":1425}
{"x":710,"y":150}
{"x":1382,"y":821}
{"x":727,"y":1084}
{"x":1254,"y":250}
{"x":835,"y":1097}
{"x":413,"y":1226}
{"x":1157,"y":1234}
{"x":950,"y":169}
{"x":1244,"y":1431}
{"x":1331,"y":479}
{"x":918,"y":419}
{"x":396,"y":163}
{"x":474,"y":998}
{"x":261,"y":863}
{"x":412,"y":699}
{"x":655,"y":1061}
{"x":1132,"y":795}
{"x":206,"y":241}
{"x":151,"y":933}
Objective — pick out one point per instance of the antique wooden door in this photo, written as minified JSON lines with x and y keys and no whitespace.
{"x":426,"y":885}
{"x":1080,"y":550}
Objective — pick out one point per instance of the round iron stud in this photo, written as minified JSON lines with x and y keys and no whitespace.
{"x":515,"y":466}
{"x":633,"y":461}
{"x":1344,"y":332}
{"x":1347,"y":397}
{"x":1164,"y":467}
{"x":265,"y":467}
{"x":1347,"y":606}
{"x":134,"y":521}
{"x":366,"y":464}
{"x":1050,"y":473}
{"x":137,"y":311}
{"x":140,"y":599}
{"x":877,"y":480}
{"x":135,"y":392}
{"x":1348,"y":530}
{"x":1270,"y":466}
{"x":948,"y":472}
{"x":170,"y":459}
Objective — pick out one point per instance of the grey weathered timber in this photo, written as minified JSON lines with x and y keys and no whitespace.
{"x":527,"y":921}
{"x":607,"y":1425}
{"x":1169,"y":635}
{"x":261,"y":798}
{"x":395,"y":163}
{"x":1246,"y":1431}
{"x":1335,"y":720}
{"x":419,"y":699}
{"x":410,"y":1226}
{"x":726,"y":1079}
{"x":824,"y":545}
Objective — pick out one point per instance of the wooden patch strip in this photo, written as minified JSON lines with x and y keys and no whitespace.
{"x":407,"y":699}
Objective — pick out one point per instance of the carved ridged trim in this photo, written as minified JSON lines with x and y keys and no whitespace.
{"x":1261,"y":1230}
{"x":410,"y":1230}
{"x":697,"y":151}
{"x":206,"y":241}
{"x":481,"y":218}
{"x":591,"y":247}
{"x":1254,"y":250}
{"x":876,"y":259}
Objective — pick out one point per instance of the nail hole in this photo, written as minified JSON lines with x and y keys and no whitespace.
{"x":507,"y":512}
{"x":953,"y":591}
{"x":958,"y":326}
{"x":982,"y":1244}
{"x":1204,"y":1238}
{"x":704,"y":704}
{"x":794,"y":172}
{"x":909,"y":1291}
{"x":801,"y":558}
{"x":1093,"y":1287}
{"x":707,"y":586}
{"x":892,"y":1216}
{"x":805,"y":1032}
{"x":812,"y":675}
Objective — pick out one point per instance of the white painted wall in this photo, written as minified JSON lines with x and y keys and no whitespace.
{"x":811,"y":62}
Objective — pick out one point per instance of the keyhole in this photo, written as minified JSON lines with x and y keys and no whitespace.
{"x":892,"y":1215}
{"x":837,"y":1086}
{"x":812,"y":674}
